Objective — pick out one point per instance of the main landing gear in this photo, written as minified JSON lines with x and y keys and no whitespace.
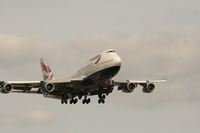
{"x":86,"y":100}
{"x":72,"y":101}
{"x":101,"y":99}
{"x":64,"y":99}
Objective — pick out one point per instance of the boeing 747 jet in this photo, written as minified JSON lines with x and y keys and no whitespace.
{"x":96,"y":78}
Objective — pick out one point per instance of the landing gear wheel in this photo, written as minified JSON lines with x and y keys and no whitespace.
{"x":88,"y":101}
{"x":62,"y":101}
{"x":102,"y":96}
{"x":83,"y":101}
{"x":71,"y":101}
{"x":65,"y":101}
{"x":75,"y":101}
{"x":99,"y":101}
{"x":102,"y":101}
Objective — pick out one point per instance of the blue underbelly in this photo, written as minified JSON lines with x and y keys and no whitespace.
{"x":104,"y":74}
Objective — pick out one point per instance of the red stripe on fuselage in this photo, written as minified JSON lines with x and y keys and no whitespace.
{"x":96,"y":57}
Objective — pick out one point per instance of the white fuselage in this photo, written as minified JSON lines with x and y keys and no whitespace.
{"x":105,"y":60}
{"x":98,"y":70}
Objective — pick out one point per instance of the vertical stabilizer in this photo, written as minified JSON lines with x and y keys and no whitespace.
{"x":46,"y":71}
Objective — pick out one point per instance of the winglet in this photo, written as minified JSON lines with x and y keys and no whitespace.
{"x":46,"y":71}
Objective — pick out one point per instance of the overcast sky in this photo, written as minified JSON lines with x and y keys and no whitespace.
{"x":154,"y":39}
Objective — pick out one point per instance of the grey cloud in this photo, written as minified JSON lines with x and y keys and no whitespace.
{"x":21,"y":52}
{"x":27,"y":119}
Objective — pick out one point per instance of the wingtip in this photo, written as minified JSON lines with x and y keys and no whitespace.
{"x":164,"y":78}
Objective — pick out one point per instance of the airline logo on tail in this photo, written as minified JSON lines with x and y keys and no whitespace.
{"x":46,"y":71}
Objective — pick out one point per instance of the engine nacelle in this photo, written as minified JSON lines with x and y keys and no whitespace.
{"x":149,"y":88}
{"x":6,"y":88}
{"x":48,"y":87}
{"x":129,"y":87}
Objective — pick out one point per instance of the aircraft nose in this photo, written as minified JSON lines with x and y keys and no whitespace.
{"x":117,"y":61}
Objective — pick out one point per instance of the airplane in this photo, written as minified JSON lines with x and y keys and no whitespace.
{"x":94,"y":79}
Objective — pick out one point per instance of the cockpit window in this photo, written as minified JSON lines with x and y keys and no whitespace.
{"x":110,"y":51}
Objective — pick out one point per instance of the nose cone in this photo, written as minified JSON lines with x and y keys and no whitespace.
{"x":117,"y":61}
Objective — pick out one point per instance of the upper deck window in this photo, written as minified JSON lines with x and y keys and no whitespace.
{"x":110,"y":51}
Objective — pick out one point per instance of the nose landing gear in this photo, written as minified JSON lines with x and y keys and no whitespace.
{"x":64,"y":99}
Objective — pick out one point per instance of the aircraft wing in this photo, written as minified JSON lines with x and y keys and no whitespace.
{"x":129,"y":86}
{"x":118,"y":82}
{"x":28,"y":86}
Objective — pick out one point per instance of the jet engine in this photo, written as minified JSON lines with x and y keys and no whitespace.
{"x":48,"y":87}
{"x":148,"y":88}
{"x":129,"y":87}
{"x":6,"y":88}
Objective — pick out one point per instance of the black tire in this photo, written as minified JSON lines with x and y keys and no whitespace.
{"x":102,"y":101}
{"x":103,"y":96}
{"x":88,"y":100}
{"x":83,"y":101}
{"x":62,"y":101}
{"x":75,"y":101}
{"x":99,"y":101}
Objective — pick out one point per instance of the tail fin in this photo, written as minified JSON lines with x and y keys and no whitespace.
{"x":46,"y":71}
